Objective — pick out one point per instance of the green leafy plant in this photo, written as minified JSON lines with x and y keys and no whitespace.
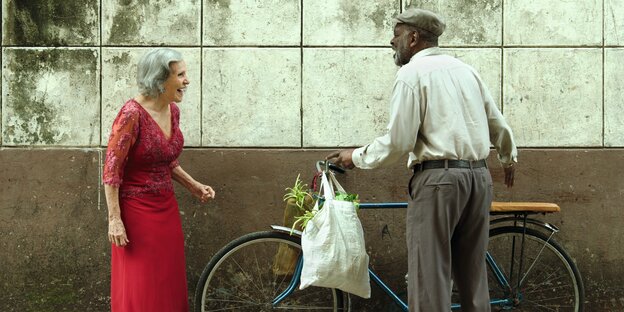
{"x":299,"y":193}
{"x":350,"y":198}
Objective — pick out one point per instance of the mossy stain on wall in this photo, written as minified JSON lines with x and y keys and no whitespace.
{"x":127,"y":21}
{"x":35,"y":118}
{"x":51,"y":22}
{"x":220,"y":14}
{"x":121,"y":60}
{"x":350,"y":13}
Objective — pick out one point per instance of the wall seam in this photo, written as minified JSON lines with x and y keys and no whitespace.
{"x":99,"y":149}
{"x":603,"y":75}
{"x":301,"y":76}
{"x":201,"y":74}
{"x":502,"y":63}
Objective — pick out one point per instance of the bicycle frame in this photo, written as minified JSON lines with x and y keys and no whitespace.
{"x":491,"y":262}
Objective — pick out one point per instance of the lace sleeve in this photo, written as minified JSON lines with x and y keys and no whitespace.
{"x":123,"y":135}
{"x":176,"y":124}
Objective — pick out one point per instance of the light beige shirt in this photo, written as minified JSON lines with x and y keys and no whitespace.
{"x":440,"y":109}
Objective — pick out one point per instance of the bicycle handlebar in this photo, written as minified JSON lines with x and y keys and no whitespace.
{"x":322,"y":164}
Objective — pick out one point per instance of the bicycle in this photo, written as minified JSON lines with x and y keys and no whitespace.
{"x":528,"y":269}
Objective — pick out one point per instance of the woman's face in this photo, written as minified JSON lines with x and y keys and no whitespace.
{"x":175,"y":85}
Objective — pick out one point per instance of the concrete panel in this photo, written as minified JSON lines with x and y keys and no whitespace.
{"x":554,"y":22}
{"x":346,"y":95}
{"x":119,"y":83}
{"x":345,"y":22}
{"x":51,"y":97}
{"x":55,"y":253}
{"x":251,"y":97}
{"x":151,"y":22}
{"x":468,"y":23}
{"x":487,"y":62}
{"x":548,"y":103}
{"x":613,"y":103}
{"x":613,"y":22}
{"x":264,"y":22}
{"x":50,"y":22}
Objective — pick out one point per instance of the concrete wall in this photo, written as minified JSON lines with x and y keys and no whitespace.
{"x":275,"y":85}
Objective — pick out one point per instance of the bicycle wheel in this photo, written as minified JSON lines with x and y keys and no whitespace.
{"x":548,"y":280}
{"x":241,"y":277}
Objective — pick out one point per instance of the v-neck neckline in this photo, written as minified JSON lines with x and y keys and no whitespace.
{"x":162,"y":132}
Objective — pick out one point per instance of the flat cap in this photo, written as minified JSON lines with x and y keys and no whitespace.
{"x":422,"y":19}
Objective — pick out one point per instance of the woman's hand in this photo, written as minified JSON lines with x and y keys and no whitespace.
{"x":203,"y":192}
{"x":117,"y":232}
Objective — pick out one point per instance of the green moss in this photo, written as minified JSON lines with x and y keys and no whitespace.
{"x":51,"y":298}
{"x":38,"y":22}
{"x":121,"y":60}
{"x":126,"y":25}
{"x":27,"y":67}
{"x":127,"y":22}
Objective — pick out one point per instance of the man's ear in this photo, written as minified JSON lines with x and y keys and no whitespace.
{"x":414,"y":39}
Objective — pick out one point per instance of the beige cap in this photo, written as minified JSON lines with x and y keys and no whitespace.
{"x":422,"y":19}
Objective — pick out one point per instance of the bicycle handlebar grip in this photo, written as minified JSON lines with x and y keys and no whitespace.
{"x":321,"y":164}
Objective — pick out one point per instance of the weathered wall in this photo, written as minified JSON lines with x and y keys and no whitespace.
{"x":301,"y":76}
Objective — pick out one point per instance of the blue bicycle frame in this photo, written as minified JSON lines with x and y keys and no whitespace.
{"x":294,"y":283}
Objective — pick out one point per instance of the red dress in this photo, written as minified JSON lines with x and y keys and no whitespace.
{"x":149,"y":273}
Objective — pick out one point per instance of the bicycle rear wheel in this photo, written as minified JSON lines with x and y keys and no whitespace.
{"x":242,"y":277}
{"x":548,"y":280}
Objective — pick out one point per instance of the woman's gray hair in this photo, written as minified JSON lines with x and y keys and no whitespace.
{"x":153,"y":69}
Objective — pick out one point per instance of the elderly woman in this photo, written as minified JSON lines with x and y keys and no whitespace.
{"x":147,"y":266}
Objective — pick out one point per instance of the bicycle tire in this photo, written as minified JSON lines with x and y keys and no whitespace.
{"x":239,"y":277}
{"x":550,"y":280}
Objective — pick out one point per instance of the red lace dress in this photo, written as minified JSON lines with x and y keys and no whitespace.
{"x":149,"y":273}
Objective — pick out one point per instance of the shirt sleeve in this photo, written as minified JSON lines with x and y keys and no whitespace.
{"x":123,"y":135}
{"x":501,"y":135}
{"x":401,"y":133}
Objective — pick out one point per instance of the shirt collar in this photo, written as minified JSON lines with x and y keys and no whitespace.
{"x":426,"y":52}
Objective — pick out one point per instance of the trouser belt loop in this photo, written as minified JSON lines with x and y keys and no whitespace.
{"x":470,"y":164}
{"x":446,"y":164}
{"x":485,"y":162}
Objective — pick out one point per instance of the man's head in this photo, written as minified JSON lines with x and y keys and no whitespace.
{"x":415,"y":30}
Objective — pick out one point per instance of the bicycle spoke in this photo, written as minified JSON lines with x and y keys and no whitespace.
{"x":536,"y":258}
{"x":548,"y":284}
{"x":243,"y":276}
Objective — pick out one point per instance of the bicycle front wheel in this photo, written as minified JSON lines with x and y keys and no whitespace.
{"x":243,"y":276}
{"x":539,"y":277}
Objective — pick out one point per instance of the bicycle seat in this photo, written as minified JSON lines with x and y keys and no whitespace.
{"x":524,"y":207}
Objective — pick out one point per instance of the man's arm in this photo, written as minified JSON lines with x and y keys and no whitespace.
{"x":400,"y":137}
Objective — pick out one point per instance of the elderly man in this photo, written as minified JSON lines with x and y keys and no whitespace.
{"x":445,"y":118}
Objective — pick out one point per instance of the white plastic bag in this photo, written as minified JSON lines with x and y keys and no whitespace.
{"x":334,"y":253}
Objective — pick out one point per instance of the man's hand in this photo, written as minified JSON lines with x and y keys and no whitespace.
{"x":509,"y":175}
{"x":342,"y":158}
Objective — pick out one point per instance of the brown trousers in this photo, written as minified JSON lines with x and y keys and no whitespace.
{"x":447,"y":235}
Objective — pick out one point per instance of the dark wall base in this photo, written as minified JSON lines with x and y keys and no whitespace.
{"x":55,"y":255}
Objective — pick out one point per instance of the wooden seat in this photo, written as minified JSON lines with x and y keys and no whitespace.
{"x":524,"y":207}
